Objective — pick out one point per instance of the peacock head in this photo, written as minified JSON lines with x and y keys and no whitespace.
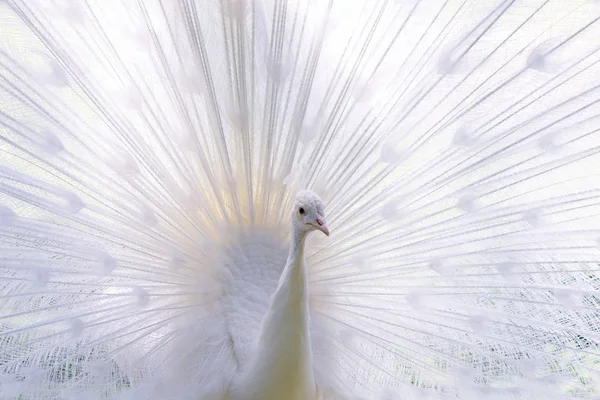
{"x":308,"y":214}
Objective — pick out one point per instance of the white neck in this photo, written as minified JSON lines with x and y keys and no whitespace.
{"x":283,"y":362}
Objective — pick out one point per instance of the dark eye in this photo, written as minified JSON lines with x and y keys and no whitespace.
{"x":301,"y":211}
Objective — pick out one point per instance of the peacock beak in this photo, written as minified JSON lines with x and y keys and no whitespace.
{"x":322,"y":226}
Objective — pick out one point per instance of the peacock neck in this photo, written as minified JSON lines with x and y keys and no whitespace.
{"x":289,"y":304}
{"x":294,"y":273}
{"x":284,"y":353}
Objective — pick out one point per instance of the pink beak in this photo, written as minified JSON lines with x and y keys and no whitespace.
{"x":322,"y":226}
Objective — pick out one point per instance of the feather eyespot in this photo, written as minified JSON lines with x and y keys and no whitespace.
{"x":301,"y":211}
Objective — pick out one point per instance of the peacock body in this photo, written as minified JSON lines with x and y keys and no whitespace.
{"x":152,"y":151}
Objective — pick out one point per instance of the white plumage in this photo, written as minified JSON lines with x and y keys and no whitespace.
{"x":151,"y":153}
{"x":281,"y":361}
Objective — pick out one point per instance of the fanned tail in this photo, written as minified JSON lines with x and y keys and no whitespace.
{"x":150,"y":152}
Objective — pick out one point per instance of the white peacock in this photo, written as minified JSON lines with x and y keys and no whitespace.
{"x":155,"y":155}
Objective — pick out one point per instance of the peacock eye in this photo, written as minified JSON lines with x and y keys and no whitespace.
{"x":301,"y":211}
